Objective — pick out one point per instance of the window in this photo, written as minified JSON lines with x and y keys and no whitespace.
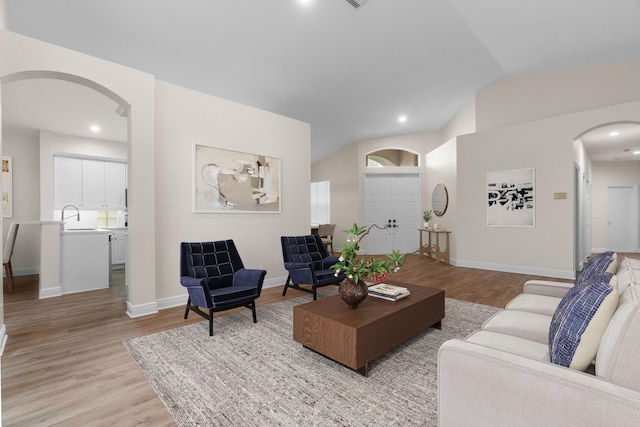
{"x":320,"y":202}
{"x":107,"y":218}
{"x":392,"y":157}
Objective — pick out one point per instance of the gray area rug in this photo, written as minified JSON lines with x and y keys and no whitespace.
{"x":255,"y":374}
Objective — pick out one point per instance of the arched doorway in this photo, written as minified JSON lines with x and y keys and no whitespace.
{"x":607,"y":162}
{"x":75,"y":97}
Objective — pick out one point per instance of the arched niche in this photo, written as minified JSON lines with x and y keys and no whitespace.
{"x":392,"y":157}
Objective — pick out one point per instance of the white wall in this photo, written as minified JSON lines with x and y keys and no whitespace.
{"x":529,"y":97}
{"x":547,"y":146}
{"x":442,"y":168}
{"x":23,"y":148}
{"x":185,"y":117}
{"x":462,"y":123}
{"x":607,"y":174}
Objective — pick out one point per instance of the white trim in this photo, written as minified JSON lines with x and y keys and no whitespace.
{"x":179,"y":300}
{"x":134,"y":311}
{"x":24,"y":271}
{"x":560,"y":274}
{"x":273,"y":282}
{"x":3,"y":338}
{"x":170,"y":302}
{"x":50,"y":292}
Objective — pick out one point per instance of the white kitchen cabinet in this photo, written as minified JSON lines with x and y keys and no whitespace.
{"x":115,"y":184}
{"x":119,"y":241}
{"x":67,"y":182}
{"x":89,"y":183}
{"x":92,"y":184}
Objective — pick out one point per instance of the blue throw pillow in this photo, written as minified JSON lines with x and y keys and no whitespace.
{"x":580,"y":320}
{"x":597,"y":264}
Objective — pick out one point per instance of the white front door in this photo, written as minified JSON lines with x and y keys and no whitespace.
{"x":393,"y":200}
{"x":622,"y":218}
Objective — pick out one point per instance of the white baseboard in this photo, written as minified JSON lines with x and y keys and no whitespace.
{"x":172,"y":301}
{"x":179,"y":300}
{"x":140,"y":310}
{"x":273,"y":282}
{"x":3,"y":338}
{"x":23,"y":271}
{"x":50,"y":292}
{"x":560,"y":274}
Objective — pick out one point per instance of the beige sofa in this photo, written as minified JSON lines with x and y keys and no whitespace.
{"x":502,"y":374}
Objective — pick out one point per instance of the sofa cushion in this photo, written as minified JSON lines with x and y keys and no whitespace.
{"x":510,"y":344}
{"x":541,"y":304}
{"x":579,"y":322}
{"x":619,"y":350}
{"x":531,"y":326}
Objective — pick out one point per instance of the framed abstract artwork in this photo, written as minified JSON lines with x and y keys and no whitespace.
{"x":511,"y":198}
{"x":227,"y":181}
{"x":7,"y":187}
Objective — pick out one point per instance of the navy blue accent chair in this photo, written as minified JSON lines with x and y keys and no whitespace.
{"x":308,"y":263}
{"x":216,"y":279}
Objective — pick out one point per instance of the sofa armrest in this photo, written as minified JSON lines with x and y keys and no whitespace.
{"x":547,"y":287}
{"x":480,"y":386}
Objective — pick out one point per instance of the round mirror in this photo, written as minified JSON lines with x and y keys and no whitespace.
{"x":439,"y":200}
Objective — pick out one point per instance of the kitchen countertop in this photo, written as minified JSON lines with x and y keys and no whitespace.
{"x":86,"y":231}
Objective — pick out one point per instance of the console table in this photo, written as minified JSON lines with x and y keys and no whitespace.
{"x":432,"y":247}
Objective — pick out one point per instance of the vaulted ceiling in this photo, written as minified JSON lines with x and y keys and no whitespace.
{"x":349,"y":72}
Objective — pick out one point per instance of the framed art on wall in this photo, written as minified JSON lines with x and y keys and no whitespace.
{"x":227,"y":181}
{"x":511,"y":198}
{"x":7,"y":187}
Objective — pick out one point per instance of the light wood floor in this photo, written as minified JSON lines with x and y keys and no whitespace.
{"x":64,"y":362}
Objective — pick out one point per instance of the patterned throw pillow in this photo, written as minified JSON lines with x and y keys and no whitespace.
{"x":580,"y":320}
{"x":597,"y":264}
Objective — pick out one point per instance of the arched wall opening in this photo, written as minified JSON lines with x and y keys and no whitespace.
{"x":134,"y":92}
{"x":602,"y":155}
{"x":41,"y":237}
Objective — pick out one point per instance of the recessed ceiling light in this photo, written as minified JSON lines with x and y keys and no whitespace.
{"x":402,"y":119}
{"x":95,"y":128}
{"x":614,"y":133}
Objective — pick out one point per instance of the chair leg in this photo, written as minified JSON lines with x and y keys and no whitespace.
{"x":286,"y":285}
{"x":211,"y":322}
{"x":253,"y":309}
{"x":315,"y":293}
{"x":9,"y":273}
{"x":186,"y":311}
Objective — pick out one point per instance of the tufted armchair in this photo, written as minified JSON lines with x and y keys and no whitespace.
{"x":216,"y":279}
{"x":308,"y":263}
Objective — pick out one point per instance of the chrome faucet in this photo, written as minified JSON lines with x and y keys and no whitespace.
{"x":70,"y":206}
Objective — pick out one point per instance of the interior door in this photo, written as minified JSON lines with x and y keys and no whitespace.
{"x":622,"y":218}
{"x":394,"y":200}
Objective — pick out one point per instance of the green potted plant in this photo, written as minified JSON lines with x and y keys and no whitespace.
{"x":426,"y":216}
{"x":353,"y":289}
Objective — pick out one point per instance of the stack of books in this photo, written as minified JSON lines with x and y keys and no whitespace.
{"x":388,"y":292}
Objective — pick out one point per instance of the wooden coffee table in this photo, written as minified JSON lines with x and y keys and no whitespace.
{"x":355,"y":337}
